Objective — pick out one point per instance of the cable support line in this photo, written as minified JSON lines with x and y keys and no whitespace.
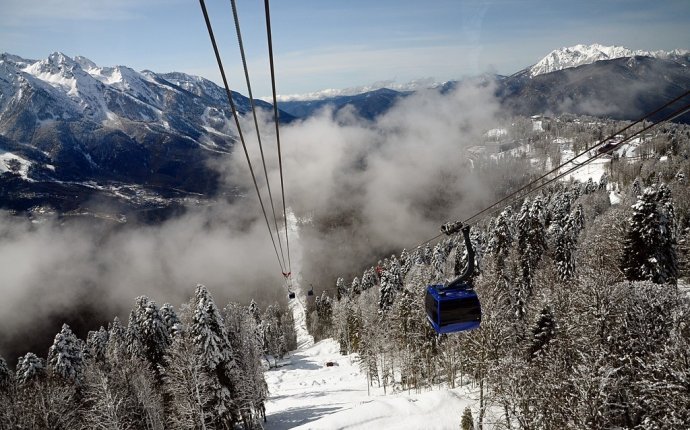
{"x":672,"y":116}
{"x":493,"y":208}
{"x":237,"y":123}
{"x":579,"y":155}
{"x":276,"y":119}
{"x":256,"y":122}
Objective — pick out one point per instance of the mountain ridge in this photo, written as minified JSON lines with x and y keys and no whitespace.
{"x":581,"y":54}
{"x":69,"y":122}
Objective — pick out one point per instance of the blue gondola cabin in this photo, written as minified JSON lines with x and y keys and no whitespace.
{"x":452,"y":309}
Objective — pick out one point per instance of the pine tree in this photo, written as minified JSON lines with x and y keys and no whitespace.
{"x":29,"y":368}
{"x":187,"y":381}
{"x":170,"y":320}
{"x":354,"y":327}
{"x":395,"y":277}
{"x":133,"y":336}
{"x":255,"y":312}
{"x":603,"y":181}
{"x":531,"y":242}
{"x":97,"y":344}
{"x":147,"y":334}
{"x":355,"y":289}
{"x":467,"y":422}
{"x":405,"y":262}
{"x":387,"y":291}
{"x":7,"y":397}
{"x":438,"y":261}
{"x":426,"y":255}
{"x":668,"y":258}
{"x":418,"y":256}
{"x":65,"y":355}
{"x":577,"y":219}
{"x":341,"y":289}
{"x":564,"y":250}
{"x":368,"y":279}
{"x":6,"y":376}
{"x":213,"y":351}
{"x":289,"y":333}
{"x":124,"y":392}
{"x":543,"y":331}
{"x":636,"y":188}
{"x":565,"y":242}
{"x":649,"y":248}
{"x":251,"y":385}
{"x":325,"y":312}
{"x":501,"y":238}
{"x":117,"y":342}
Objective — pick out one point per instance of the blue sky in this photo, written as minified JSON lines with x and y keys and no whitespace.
{"x":337,"y":44}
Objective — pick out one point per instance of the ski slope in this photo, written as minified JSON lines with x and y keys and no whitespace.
{"x":306,"y":394}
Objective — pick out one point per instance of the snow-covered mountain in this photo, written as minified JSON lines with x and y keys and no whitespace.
{"x":594,"y":80}
{"x":578,"y":55}
{"x":329,"y":93}
{"x":68,"y":120}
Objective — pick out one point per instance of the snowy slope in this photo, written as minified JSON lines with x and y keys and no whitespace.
{"x":308,"y":395}
{"x":594,"y":170}
{"x":578,"y":55}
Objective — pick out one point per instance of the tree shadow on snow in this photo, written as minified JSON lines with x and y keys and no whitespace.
{"x":297,"y":416}
{"x":302,"y":363}
{"x":311,"y":394}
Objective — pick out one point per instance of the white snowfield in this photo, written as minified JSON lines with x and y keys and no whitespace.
{"x":309,"y":395}
{"x":578,"y":55}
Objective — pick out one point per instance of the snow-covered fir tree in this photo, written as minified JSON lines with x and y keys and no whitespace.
{"x":6,"y":375}
{"x":341,"y":288}
{"x":405,"y":262}
{"x":29,"y":368}
{"x":438,"y":261}
{"x":368,"y":279}
{"x":355,"y":288}
{"x":65,"y":357}
{"x":649,"y":249}
{"x":501,"y":237}
{"x":543,"y":332}
{"x":213,"y":351}
{"x":170,"y":319}
{"x":97,"y":344}
{"x":147,"y":332}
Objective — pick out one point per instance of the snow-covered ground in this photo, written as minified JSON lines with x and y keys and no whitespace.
{"x":593,"y":169}
{"x":307,"y":394}
{"x":7,"y":159}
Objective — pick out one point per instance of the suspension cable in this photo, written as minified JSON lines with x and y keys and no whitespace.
{"x":256,"y":122}
{"x":237,"y":123}
{"x":670,"y":117}
{"x":276,"y":119}
{"x":509,"y":196}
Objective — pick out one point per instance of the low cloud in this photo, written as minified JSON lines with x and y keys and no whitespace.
{"x":370,"y":187}
{"x":358,"y":190}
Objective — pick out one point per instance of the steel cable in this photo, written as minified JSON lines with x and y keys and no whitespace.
{"x":256,"y":122}
{"x":237,"y":123}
